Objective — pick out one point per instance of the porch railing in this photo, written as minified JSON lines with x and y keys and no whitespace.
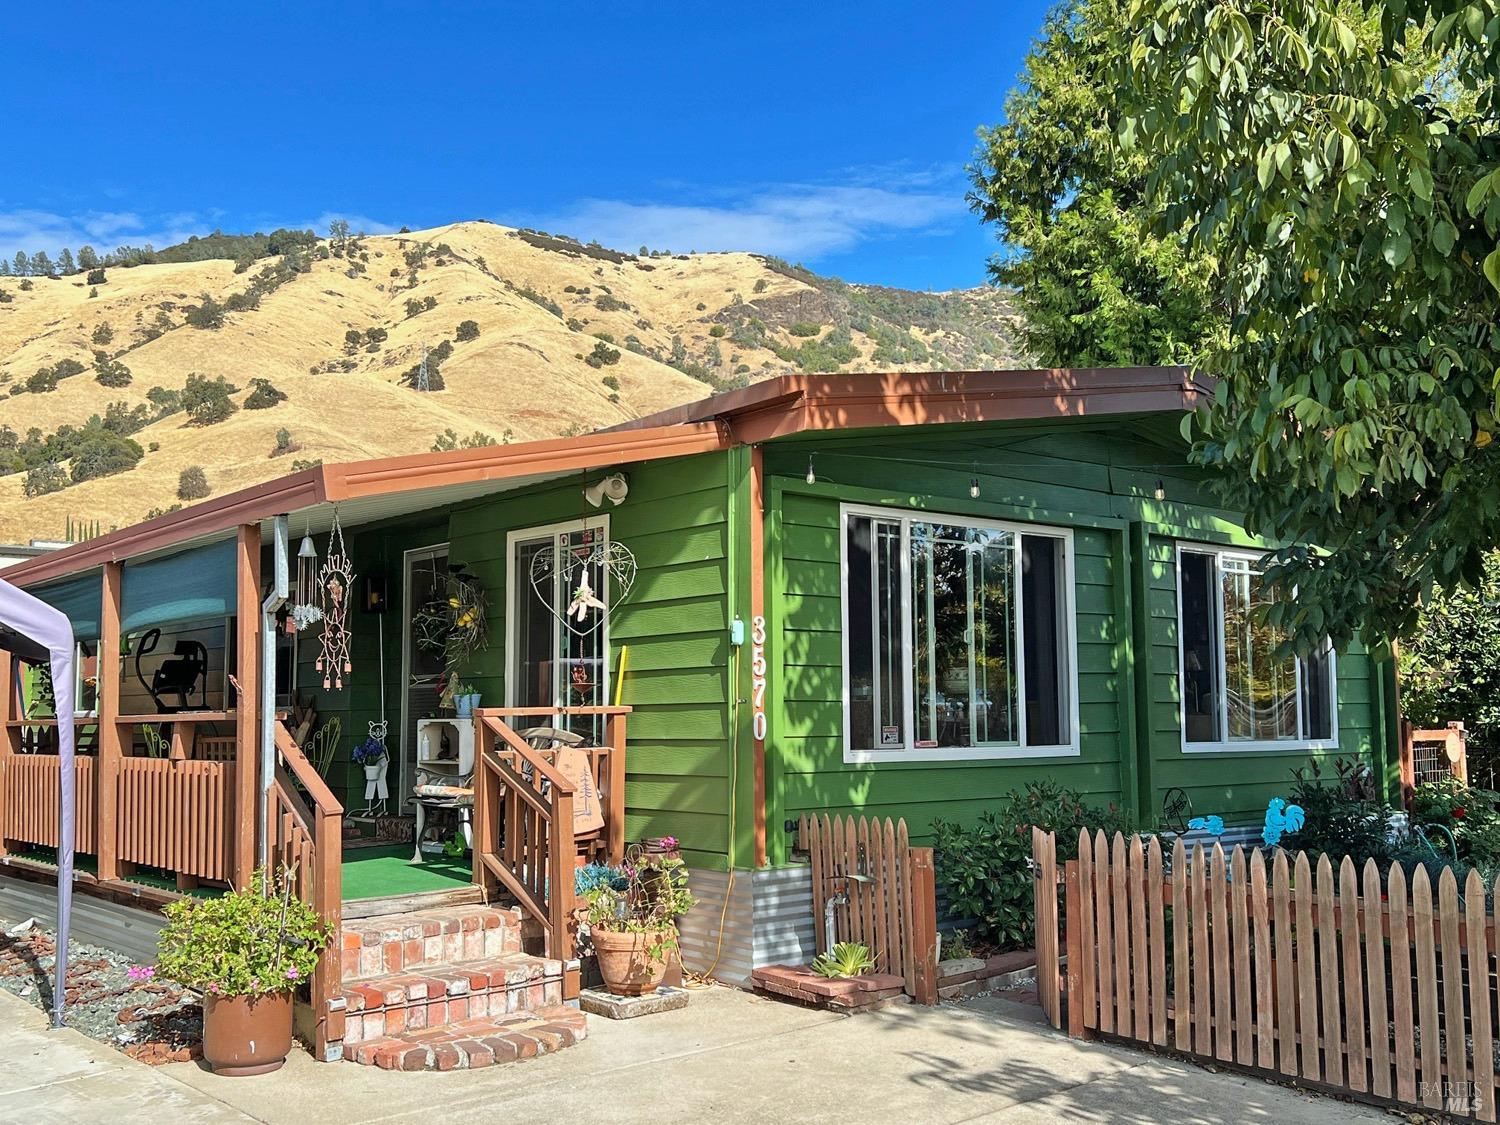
{"x":524,"y":837}
{"x":307,"y":841}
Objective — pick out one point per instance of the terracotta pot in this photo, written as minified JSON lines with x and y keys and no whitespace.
{"x":244,"y":1035}
{"x":624,"y":964}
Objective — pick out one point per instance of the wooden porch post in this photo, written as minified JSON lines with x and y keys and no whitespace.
{"x":615,"y":827}
{"x":111,"y":747}
{"x":247,"y":700}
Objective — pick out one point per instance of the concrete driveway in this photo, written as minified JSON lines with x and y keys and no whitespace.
{"x":731,"y":1057}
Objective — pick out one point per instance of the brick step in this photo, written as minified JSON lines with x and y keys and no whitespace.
{"x":474,"y":1043}
{"x":393,"y":943}
{"x":434,"y":996}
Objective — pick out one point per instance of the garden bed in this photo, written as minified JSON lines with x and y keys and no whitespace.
{"x":150,"y":1020}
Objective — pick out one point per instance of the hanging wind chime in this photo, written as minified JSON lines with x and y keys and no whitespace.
{"x":336,"y":580}
{"x":304,"y":610}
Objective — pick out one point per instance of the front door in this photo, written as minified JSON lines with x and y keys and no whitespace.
{"x":425,"y":578}
{"x":552,"y":659}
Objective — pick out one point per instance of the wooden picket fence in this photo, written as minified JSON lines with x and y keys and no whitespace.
{"x":895,"y":912}
{"x":1333,"y":977}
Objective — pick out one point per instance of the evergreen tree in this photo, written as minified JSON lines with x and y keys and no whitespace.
{"x":41,"y":264}
{"x":65,"y":261}
{"x":22,"y":264}
{"x":87,"y":258}
{"x":4,"y":267}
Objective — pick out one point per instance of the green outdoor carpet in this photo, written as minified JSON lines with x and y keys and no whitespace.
{"x":381,"y":871}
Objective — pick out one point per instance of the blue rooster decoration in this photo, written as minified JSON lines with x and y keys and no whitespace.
{"x":1281,"y":818}
{"x":1213,"y":825}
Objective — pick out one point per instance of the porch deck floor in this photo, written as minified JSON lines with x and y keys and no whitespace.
{"x":378,"y":872}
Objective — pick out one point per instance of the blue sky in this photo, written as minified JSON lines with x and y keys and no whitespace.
{"x":829,"y":133}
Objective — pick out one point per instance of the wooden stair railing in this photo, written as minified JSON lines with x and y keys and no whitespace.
{"x":523,"y":830}
{"x":309,"y":843}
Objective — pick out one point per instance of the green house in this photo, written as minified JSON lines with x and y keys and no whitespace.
{"x":902,"y":595}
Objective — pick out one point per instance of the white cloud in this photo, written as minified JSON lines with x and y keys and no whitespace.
{"x":796,"y":221}
{"x":31,"y":229}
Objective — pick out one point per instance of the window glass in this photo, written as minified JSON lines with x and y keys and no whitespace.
{"x":1200,"y":647}
{"x":1235,"y":687}
{"x":958,"y":592}
{"x":86,"y":691}
{"x":1045,"y":630}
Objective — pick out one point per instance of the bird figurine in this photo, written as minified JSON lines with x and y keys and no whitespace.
{"x":1281,"y":818}
{"x":1213,"y":825}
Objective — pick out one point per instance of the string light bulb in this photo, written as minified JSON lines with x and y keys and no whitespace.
{"x":973,"y":488}
{"x":812,"y":476}
{"x":1161,"y":490}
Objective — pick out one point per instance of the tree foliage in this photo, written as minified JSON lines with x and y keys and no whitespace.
{"x":207,"y":400}
{"x":1340,"y":159}
{"x":1450,"y":668}
{"x":1096,"y":284}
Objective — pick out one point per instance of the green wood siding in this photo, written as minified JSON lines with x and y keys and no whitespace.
{"x":1095,"y":477}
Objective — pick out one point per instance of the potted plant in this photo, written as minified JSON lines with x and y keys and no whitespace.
{"x":633,"y":922}
{"x":246,"y":953}
{"x":370,"y":754}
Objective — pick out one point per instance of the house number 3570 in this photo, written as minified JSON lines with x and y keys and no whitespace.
{"x":758,"y":676}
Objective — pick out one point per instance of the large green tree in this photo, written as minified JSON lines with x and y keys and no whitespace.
{"x":1096,"y":284}
{"x":1340,"y":160}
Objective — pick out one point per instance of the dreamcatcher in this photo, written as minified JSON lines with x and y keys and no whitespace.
{"x":336,"y":580}
{"x":578,"y":566}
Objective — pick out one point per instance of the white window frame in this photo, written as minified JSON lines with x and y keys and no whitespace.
{"x":1225,"y":745}
{"x":513,"y":593}
{"x":908,"y":751}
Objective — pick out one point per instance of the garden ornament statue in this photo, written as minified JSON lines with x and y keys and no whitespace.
{"x":1213,"y":825}
{"x":1281,"y":817}
{"x":371,"y":754}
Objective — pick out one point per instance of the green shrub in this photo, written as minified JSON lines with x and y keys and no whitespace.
{"x":983,"y":867}
{"x":602,"y":355}
{"x":44,"y":478}
{"x":717,"y":330}
{"x":803,"y":328}
{"x":264,"y":395}
{"x":467,"y":330}
{"x":1343,"y":814}
{"x":611,"y":382}
{"x":1468,"y":813}
{"x":252,"y":941}
{"x":102,"y":454}
{"x":67,"y":368}
{"x":102,"y":334}
{"x":192,"y":483}
{"x":110,"y":372}
{"x":207,"y":313}
{"x":207,"y":400}
{"x":95,"y":277}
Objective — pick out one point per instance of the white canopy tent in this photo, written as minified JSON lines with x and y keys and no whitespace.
{"x":35,"y":632}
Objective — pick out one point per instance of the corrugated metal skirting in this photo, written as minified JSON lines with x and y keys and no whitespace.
{"x":128,"y":930}
{"x":769,"y":922}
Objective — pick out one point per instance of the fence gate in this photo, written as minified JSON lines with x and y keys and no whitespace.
{"x":1368,"y":982}
{"x":892,"y":898}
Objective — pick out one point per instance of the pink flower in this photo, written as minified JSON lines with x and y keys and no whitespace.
{"x":141,"y":973}
{"x":254,"y":983}
{"x":292,"y":974}
{"x":669,"y":843}
{"x":214,"y":988}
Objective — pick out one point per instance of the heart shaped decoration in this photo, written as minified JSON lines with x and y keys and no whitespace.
{"x":593,"y":578}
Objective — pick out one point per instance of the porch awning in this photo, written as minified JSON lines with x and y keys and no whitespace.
{"x":79,"y":599}
{"x":192,"y":585}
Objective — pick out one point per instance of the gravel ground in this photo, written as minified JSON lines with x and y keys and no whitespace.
{"x":154,"y":1021}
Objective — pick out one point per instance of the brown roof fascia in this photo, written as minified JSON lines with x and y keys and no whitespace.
{"x":499,"y":462}
{"x":794,"y":403}
{"x":352,"y":480}
{"x":248,"y":505}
